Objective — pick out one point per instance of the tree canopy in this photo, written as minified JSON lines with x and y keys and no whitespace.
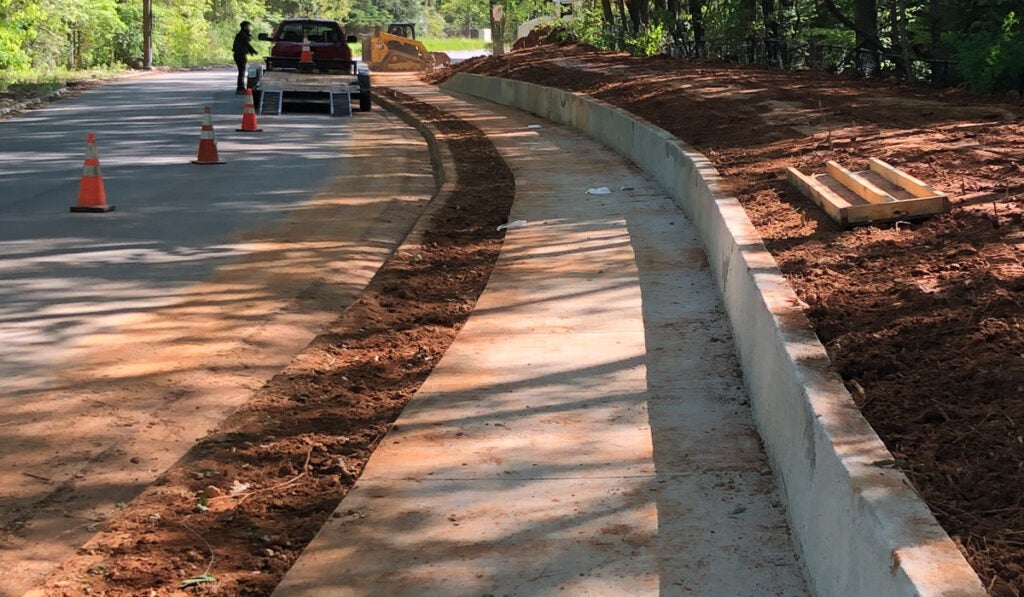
{"x":979,"y":43}
{"x":948,"y":42}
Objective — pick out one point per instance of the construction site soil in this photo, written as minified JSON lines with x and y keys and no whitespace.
{"x":923,"y":320}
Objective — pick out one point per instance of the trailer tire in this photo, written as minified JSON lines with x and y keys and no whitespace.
{"x":364,"y":101}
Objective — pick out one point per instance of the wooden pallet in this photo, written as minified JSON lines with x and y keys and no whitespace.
{"x":880,"y":194}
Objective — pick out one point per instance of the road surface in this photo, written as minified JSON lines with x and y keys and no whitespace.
{"x":125,"y":336}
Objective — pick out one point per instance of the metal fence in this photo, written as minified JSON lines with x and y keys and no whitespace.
{"x":811,"y":55}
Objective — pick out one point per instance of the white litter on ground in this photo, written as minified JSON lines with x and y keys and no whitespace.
{"x":599,"y":191}
{"x":515,"y":224}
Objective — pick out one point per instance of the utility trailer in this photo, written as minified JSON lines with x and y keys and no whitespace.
{"x":272,"y":87}
{"x":309,"y":61}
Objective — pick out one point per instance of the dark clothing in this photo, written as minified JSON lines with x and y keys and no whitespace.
{"x":242,"y":45}
{"x":240,"y":61}
{"x":241,"y":48}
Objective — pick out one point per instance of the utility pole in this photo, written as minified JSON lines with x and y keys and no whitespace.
{"x":147,"y":34}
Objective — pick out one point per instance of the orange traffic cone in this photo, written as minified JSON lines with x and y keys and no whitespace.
{"x":306,"y":57}
{"x":91,"y":196}
{"x":249,"y":124}
{"x":207,"y":142}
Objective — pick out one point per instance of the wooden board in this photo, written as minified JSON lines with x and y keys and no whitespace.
{"x":880,"y":194}
{"x":823,"y":196}
{"x":863,"y":187}
{"x":902,"y":179}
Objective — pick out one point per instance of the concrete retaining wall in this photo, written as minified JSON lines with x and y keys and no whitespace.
{"x":859,"y":526}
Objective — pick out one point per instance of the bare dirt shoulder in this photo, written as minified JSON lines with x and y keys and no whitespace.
{"x":233,"y":514}
{"x":923,"y":320}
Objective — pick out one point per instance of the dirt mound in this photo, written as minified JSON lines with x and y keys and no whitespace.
{"x":541,"y":36}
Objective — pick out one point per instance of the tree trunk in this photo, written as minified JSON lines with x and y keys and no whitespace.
{"x":147,"y":34}
{"x":786,"y":29}
{"x":935,"y":25}
{"x":939,"y":67}
{"x":606,"y":10}
{"x":748,"y":14}
{"x":634,"y":8}
{"x":697,"y":21}
{"x":675,"y":30}
{"x":865,"y":25}
{"x":624,"y":23}
{"x":865,"y":15}
{"x":904,"y":38}
{"x":773,"y":35}
{"x":497,"y":29}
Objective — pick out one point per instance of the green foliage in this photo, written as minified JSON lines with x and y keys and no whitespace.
{"x":588,"y":27}
{"x":517,"y":12}
{"x":276,"y":10}
{"x":462,"y":15}
{"x":992,"y":59}
{"x":451,"y":44}
{"x":431,"y":23}
{"x":832,"y":37}
{"x":984,"y":39}
{"x":92,"y":26}
{"x":373,"y":13}
{"x":18,"y":20}
{"x":181,"y":36}
{"x":367,"y":14}
{"x":35,"y":83}
{"x":127,"y":42}
{"x":647,"y":42}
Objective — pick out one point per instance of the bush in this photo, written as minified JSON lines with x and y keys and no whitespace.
{"x":992,"y":58}
{"x":647,"y":42}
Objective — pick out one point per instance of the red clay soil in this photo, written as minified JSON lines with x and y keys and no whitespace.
{"x":923,"y":320}
{"x":232,"y":516}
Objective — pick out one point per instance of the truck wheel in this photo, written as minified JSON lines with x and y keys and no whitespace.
{"x":364,"y":101}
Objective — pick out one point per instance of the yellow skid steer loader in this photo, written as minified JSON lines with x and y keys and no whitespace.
{"x":397,"y":50}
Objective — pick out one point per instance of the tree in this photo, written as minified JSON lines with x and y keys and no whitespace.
{"x":463,"y":15}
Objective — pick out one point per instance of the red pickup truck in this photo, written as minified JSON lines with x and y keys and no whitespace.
{"x":327,"y":44}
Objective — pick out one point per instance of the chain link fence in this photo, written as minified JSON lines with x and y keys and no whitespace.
{"x":811,"y":55}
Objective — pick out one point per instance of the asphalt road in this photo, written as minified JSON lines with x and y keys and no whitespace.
{"x":62,"y":273}
{"x":126,"y":336}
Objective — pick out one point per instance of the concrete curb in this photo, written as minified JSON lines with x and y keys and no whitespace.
{"x":859,"y":526}
{"x":441,"y":159}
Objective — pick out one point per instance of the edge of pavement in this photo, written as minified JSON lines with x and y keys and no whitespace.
{"x":859,"y":525}
{"x":441,"y":160}
{"x":70,"y":87}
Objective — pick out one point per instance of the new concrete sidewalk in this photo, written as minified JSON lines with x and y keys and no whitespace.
{"x":588,"y":431}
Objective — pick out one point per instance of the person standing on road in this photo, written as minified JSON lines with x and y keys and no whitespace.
{"x":242,"y":49}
